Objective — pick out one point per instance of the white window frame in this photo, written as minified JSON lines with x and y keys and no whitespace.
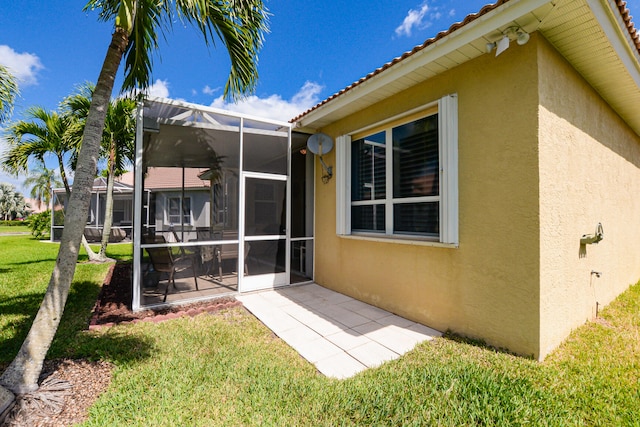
{"x":182,"y":214}
{"x":448,"y":163}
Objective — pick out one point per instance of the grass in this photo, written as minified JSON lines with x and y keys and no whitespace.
{"x":229,"y":369}
{"x":26,"y":265}
{"x":14,"y":229}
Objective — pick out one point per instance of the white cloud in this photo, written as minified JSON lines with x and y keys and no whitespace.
{"x":274,"y":107}
{"x":207,"y":90}
{"x":24,"y":66}
{"x":419,"y":19}
{"x":160,"y":89}
{"x":412,"y":20}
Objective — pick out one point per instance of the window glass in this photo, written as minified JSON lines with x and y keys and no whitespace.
{"x":174,"y":210}
{"x":404,"y":200}
{"x":368,"y":166}
{"x":415,"y":158}
{"x":186,"y":210}
{"x":368,"y":218}
{"x":416,"y":218}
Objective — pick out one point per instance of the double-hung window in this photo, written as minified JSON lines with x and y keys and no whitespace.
{"x":401,"y":176}
{"x":176,"y":206}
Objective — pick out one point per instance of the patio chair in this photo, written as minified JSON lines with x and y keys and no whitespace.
{"x":206,"y":254}
{"x":225,"y":252}
{"x":163,"y":260}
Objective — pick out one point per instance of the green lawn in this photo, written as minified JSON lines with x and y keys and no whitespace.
{"x":228,"y":369}
{"x":14,"y":229}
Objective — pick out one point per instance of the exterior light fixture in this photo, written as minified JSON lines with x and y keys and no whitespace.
{"x":512,"y":33}
{"x":503,"y":44}
{"x":522,"y":37}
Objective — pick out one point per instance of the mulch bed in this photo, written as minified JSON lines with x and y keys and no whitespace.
{"x":114,"y":303}
{"x":89,"y":379}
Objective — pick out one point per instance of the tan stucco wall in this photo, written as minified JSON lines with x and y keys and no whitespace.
{"x":488,"y":287}
{"x":589,"y":173}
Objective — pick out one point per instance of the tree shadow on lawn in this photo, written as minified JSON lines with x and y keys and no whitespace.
{"x":72,"y":338}
{"x":48,"y":261}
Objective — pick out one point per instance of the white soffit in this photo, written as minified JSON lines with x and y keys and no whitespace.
{"x":593,"y":37}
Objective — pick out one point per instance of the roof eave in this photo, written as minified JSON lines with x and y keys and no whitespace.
{"x":498,"y":17}
{"x":612,"y":16}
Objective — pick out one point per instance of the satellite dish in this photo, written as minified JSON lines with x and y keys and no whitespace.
{"x":320,"y":143}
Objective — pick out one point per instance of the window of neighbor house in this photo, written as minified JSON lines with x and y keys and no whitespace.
{"x":174,"y":207}
{"x":402,"y":176}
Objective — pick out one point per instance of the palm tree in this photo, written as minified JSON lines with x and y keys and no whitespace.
{"x":117,"y":148}
{"x":42,"y":132}
{"x":240,"y":25}
{"x":8,"y":93}
{"x":42,"y":182}
{"x":12,"y":204}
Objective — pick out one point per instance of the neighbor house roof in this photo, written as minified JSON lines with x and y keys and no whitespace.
{"x":162,"y":178}
{"x":120,"y":185}
{"x":597,"y":37}
{"x":100,"y":185}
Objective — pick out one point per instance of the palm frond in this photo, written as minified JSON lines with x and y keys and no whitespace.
{"x":8,"y":93}
{"x":152,"y":17}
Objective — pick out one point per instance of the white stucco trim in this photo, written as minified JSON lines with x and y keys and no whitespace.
{"x":343,"y":184}
{"x":448,"y":133}
{"x":397,"y":240}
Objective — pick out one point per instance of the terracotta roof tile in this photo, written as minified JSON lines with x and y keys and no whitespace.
{"x":165,"y":178}
{"x":622,"y":6}
{"x":628,"y":19}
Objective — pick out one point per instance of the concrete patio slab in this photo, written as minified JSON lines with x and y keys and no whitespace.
{"x":339,"y":334}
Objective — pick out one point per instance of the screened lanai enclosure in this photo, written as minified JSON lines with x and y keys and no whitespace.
{"x":223,"y":204}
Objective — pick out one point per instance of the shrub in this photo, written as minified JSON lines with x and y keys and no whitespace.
{"x":39,"y":224}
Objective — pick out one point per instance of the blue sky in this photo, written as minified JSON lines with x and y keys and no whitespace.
{"x":314,"y":49}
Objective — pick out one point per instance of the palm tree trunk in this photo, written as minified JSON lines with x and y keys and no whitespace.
{"x":108,"y":209}
{"x":67,"y":188}
{"x":90,"y":253}
{"x":22,"y":374}
{"x":63,"y":175}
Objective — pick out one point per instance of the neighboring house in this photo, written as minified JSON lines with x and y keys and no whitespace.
{"x":164,"y":194}
{"x":35,"y":207}
{"x":472,"y":177}
{"x":170,"y":209}
{"x":532,"y":149}
{"x":122,"y":210}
